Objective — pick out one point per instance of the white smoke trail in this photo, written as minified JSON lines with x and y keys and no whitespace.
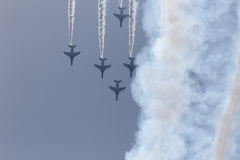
{"x":182,"y":101}
{"x":71,"y":11}
{"x":132,"y":24}
{"x":120,"y":3}
{"x":101,"y":25}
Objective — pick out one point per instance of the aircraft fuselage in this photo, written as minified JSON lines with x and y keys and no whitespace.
{"x":102,"y":66}
{"x":121,"y":18}
{"x":117,"y":91}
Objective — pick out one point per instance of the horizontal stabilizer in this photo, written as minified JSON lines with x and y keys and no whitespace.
{"x":71,"y":46}
{"x":103,"y":59}
{"x":121,"y":8}
{"x":119,"y":81}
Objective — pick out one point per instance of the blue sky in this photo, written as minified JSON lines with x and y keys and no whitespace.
{"x":50,"y":110}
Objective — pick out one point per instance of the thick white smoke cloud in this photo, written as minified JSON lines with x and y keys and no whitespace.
{"x":159,"y":86}
{"x":71,"y":12}
{"x":225,"y":147}
{"x":228,"y":121}
{"x":182,"y":84}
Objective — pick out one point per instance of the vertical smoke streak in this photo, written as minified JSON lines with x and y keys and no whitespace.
{"x":71,"y":11}
{"x":120,"y":3}
{"x":182,"y":94}
{"x":227,"y":123}
{"x":132,"y":24}
{"x":101,"y":25}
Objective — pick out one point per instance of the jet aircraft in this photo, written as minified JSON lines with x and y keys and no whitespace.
{"x":121,"y":16}
{"x":130,"y":66}
{"x":117,"y":89}
{"x":102,"y":67}
{"x":72,"y":54}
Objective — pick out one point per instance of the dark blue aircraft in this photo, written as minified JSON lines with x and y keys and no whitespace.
{"x":72,"y":54}
{"x":130,"y":66}
{"x":102,"y":67}
{"x":117,"y":89}
{"x":121,"y":16}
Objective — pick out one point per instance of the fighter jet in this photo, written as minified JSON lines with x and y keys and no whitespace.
{"x":102,"y":67}
{"x":117,"y":89}
{"x":72,"y":54}
{"x":130,"y":66}
{"x":121,"y":16}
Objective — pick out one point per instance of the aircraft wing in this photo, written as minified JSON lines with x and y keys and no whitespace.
{"x":121,"y":89}
{"x":97,"y":66}
{"x":76,"y":53}
{"x":126,"y":65}
{"x":112,"y":88}
{"x":67,"y":54}
{"x":125,"y":16}
{"x":107,"y":66}
{"x":134,"y":66}
{"x":116,"y":15}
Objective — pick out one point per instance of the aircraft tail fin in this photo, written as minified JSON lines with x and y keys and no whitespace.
{"x":118,"y":81}
{"x":72,"y":46}
{"x":103,"y":59}
{"x":121,"y":8}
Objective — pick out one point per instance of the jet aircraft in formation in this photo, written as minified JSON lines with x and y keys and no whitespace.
{"x":102,"y":67}
{"x":72,"y":54}
{"x":117,"y":89}
{"x":121,"y":16}
{"x":130,"y":66}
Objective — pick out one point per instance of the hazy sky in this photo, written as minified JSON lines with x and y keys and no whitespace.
{"x":50,"y":110}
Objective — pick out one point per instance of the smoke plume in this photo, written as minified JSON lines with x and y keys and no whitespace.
{"x":71,"y":11}
{"x":159,"y":84}
{"x":132,"y":24}
{"x":101,"y":25}
{"x":184,"y":77}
